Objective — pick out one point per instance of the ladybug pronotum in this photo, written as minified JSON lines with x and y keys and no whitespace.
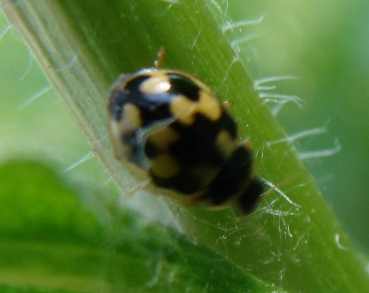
{"x":167,"y":126}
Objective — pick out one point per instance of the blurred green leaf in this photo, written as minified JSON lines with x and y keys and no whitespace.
{"x":25,"y":289}
{"x":35,"y":202}
{"x":49,"y":239}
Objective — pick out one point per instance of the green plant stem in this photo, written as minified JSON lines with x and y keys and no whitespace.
{"x":84,"y":45}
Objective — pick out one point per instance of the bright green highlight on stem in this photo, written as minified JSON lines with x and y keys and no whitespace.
{"x":83,"y":48}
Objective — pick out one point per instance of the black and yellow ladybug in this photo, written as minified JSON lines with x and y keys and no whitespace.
{"x":168,"y":127}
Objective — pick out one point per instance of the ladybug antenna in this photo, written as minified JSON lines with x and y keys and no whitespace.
{"x":160,"y":58}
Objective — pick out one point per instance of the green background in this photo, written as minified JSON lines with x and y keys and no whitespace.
{"x":323,"y":43}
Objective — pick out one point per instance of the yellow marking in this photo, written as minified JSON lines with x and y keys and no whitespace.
{"x":209,"y":106}
{"x":131,"y":117}
{"x":164,"y":138}
{"x":157,"y":83}
{"x":115,"y":139}
{"x":183,"y":109}
{"x":205,"y":173}
{"x":225,"y":143}
{"x":164,"y":166}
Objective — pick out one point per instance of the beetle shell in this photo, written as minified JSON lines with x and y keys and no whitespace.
{"x":168,"y":126}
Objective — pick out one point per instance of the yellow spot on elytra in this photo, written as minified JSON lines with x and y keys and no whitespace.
{"x":205,"y":173}
{"x":225,"y":143}
{"x":115,"y":139}
{"x":131,"y":119}
{"x":164,"y":138}
{"x":183,"y":109}
{"x":157,"y":83}
{"x":164,"y":166}
{"x":209,"y":106}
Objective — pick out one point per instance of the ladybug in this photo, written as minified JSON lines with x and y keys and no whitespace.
{"x":167,"y":126}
